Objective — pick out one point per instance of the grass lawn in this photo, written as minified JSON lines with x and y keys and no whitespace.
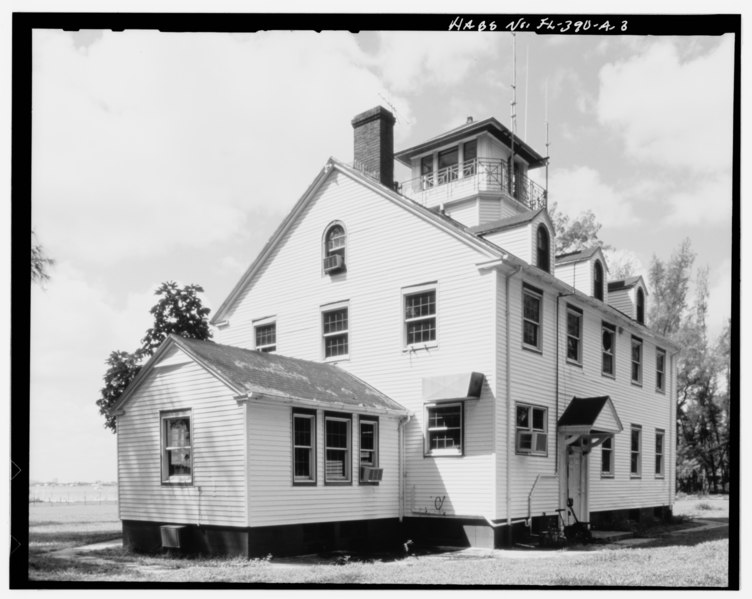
{"x":697,"y":559}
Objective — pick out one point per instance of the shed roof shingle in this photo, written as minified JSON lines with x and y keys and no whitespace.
{"x":266,"y":373}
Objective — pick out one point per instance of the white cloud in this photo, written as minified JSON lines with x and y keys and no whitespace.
{"x":672,"y":112}
{"x":411,"y":61}
{"x":707,"y":203}
{"x":580,"y":189}
{"x":148,"y":142}
{"x":74,"y":327}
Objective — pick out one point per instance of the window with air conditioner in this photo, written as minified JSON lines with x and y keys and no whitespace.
{"x":370,"y":472}
{"x":335,"y":243}
{"x":532,"y":430}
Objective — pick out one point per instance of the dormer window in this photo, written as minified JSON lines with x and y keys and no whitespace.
{"x":640,"y":306}
{"x":543,"y":246}
{"x":598,"y":280}
{"x":334,"y":249}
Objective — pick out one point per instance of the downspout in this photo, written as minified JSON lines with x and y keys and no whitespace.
{"x":401,"y":474}
{"x":556,"y":378}
{"x":508,"y":392}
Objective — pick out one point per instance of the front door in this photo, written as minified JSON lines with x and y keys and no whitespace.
{"x":577,"y":483}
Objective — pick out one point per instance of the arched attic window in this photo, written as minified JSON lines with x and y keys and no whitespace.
{"x":334,"y":248}
{"x":640,"y":306}
{"x":543,"y":249}
{"x":598,"y":280}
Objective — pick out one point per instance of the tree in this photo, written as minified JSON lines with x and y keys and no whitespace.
{"x":702,"y":419}
{"x":40,"y":262}
{"x":577,"y":234}
{"x":178,"y":311}
{"x":122,"y":369}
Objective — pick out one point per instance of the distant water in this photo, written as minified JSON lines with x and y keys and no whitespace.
{"x":72,"y":493}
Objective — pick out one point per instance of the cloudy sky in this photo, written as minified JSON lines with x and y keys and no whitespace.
{"x":174,"y":156}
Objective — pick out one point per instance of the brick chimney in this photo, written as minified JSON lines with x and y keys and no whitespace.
{"x":374,"y":144}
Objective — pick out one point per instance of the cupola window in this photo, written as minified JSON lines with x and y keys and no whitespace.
{"x":543,"y":260}
{"x":640,"y":306}
{"x":598,"y":280}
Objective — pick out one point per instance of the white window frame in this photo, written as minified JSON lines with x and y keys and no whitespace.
{"x":660,"y":370}
{"x":532,"y":292}
{"x":636,"y":342}
{"x":660,"y":461}
{"x":608,"y":449}
{"x":635,"y":455}
{"x":335,"y":307}
{"x":411,"y":291}
{"x":165,"y":449}
{"x":454,"y":451}
{"x":340,"y":249}
{"x":371,"y":421}
{"x":572,"y":311}
{"x":612,"y":330}
{"x":535,"y":433}
{"x":263,"y":323}
{"x":330,"y":479}
{"x":310,"y":416}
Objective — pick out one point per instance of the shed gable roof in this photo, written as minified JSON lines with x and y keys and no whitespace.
{"x":247,"y":371}
{"x":627,"y":283}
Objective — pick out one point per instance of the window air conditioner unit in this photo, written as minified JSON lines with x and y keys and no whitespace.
{"x":334,"y":263}
{"x":531,"y":442}
{"x":369,"y":474}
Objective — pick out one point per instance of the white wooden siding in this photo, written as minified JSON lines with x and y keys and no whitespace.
{"x":489,"y":210}
{"x":514,"y":240}
{"x":623,"y":301}
{"x":465,"y":212}
{"x":533,"y":381}
{"x":217,"y":493}
{"x":274,"y":500}
{"x":388,"y":249}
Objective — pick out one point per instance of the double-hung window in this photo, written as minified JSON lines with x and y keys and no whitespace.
{"x":637,"y":360}
{"x":444,"y":429}
{"x":420,"y":315}
{"x":532,"y":300}
{"x":335,"y":331}
{"x":574,"y":334}
{"x":369,"y":448}
{"x":337,"y":450}
{"x":303,"y":446}
{"x":177,"y":451}
{"x":659,"y":449}
{"x":265,"y":333}
{"x":660,"y":370}
{"x":635,"y":451}
{"x":532,"y":427}
{"x":608,"y":334}
{"x":607,"y":457}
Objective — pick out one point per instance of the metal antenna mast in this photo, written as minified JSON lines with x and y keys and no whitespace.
{"x":548,"y":154}
{"x":513,"y":115}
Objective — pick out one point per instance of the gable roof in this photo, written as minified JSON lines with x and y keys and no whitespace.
{"x":506,"y":223}
{"x":591,"y":414}
{"x":578,"y":256}
{"x":494,"y":253}
{"x":249,"y":372}
{"x":443,"y":221}
{"x":627,"y":283}
{"x":490,"y":125}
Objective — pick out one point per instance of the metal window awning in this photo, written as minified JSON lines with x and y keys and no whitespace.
{"x":452,"y":387}
{"x":590,"y":416}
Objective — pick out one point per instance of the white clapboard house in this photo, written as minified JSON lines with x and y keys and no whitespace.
{"x":405,"y":361}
